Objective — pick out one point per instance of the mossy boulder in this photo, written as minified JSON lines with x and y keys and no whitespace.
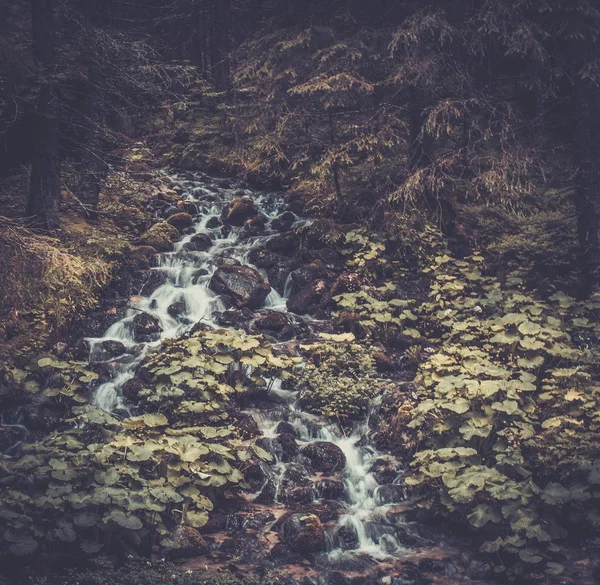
{"x":243,"y":285}
{"x":160,"y":236}
{"x":180,"y":220}
{"x":239,"y":210}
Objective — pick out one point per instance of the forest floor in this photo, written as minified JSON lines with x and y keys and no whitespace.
{"x":491,"y":411}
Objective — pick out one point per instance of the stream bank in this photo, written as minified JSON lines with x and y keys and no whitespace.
{"x":291,"y":420}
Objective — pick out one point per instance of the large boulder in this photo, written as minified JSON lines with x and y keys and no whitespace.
{"x":243,"y":285}
{"x":390,"y":494}
{"x":160,"y":237}
{"x":109,"y":349}
{"x":180,"y":220}
{"x":238,"y":211}
{"x":324,"y":456}
{"x":186,"y":542}
{"x":303,"y":533}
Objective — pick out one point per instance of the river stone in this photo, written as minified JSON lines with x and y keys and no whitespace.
{"x":238,"y":211}
{"x":390,"y":494}
{"x":181,"y":220}
{"x":213,"y":222}
{"x":268,"y":320}
{"x":189,"y":540}
{"x":307,"y":299}
{"x":199,"y":243}
{"x":177,"y":309}
{"x":243,"y":285}
{"x":160,"y":237}
{"x":303,"y":533}
{"x":111,"y":348}
{"x":324,"y":456}
{"x":145,"y":327}
{"x":330,"y":489}
{"x":285,"y":428}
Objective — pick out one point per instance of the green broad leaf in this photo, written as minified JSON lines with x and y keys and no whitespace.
{"x":108,"y":477}
{"x":482,"y":514}
{"x":128,"y":521}
{"x":166,"y":495}
{"x":23,"y":547}
{"x":139,"y":453}
{"x":492,"y":546}
{"x":64,"y":474}
{"x":554,"y":568}
{"x":90,"y":547}
{"x":262,"y":454}
{"x":151,"y":420}
{"x":530,"y":555}
{"x":412,"y":333}
{"x":555,"y":494}
{"x":531,"y":363}
{"x":459,"y":406}
{"x":196,"y":519}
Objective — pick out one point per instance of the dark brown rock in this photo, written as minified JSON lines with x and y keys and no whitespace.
{"x":243,"y":285}
{"x":145,"y":327}
{"x":324,"y":456}
{"x":180,"y":220}
{"x":238,"y":211}
{"x":303,"y":533}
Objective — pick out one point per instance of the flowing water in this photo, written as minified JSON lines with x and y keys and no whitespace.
{"x":186,"y":276}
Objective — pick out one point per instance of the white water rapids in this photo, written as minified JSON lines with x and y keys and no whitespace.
{"x":186,"y":281}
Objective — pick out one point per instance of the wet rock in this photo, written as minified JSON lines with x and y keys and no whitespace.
{"x":268,"y":320}
{"x":296,"y":475}
{"x":285,"y":244}
{"x":237,"y":318}
{"x":181,"y":220}
{"x":188,"y":541}
{"x":199,"y":243}
{"x":297,"y":496}
{"x":213,"y":223}
{"x":238,"y":211}
{"x":160,"y":237}
{"x":255,"y":474}
{"x":110,"y":349}
{"x":330,"y":489}
{"x":177,"y":309}
{"x":279,"y":273}
{"x":384,"y":471}
{"x":254,"y":226}
{"x":267,"y":494}
{"x":145,"y":327}
{"x":309,"y":274}
{"x":346,"y":283}
{"x":285,"y":428}
{"x":42,"y":418}
{"x":390,"y":494}
{"x":262,"y":258}
{"x":243,"y":285}
{"x":288,"y":446}
{"x":303,"y":534}
{"x":142,"y":256}
{"x":308,"y":299}
{"x":294,"y":202}
{"x":432,"y":565}
{"x":246,"y":425}
{"x":131,"y":389}
{"x":226,"y":261}
{"x":324,"y":456}
{"x":337,"y":578}
{"x":288,"y":217}
{"x":153,"y":279}
{"x":198,"y":274}
{"x":326,"y":255}
{"x":347,"y":537}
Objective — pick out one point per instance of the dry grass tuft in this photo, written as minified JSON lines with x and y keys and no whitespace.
{"x":40,"y":278}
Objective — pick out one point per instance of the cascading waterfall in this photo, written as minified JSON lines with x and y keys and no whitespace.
{"x":186,"y":281}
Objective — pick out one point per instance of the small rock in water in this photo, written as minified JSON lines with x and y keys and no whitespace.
{"x":199,"y":243}
{"x":267,"y":494}
{"x":160,"y":237}
{"x":213,"y":222}
{"x":111,"y":348}
{"x":285,"y":428}
{"x":177,"y":309}
{"x":389,"y":494}
{"x":243,"y":285}
{"x":432,"y":565}
{"x":324,"y":456}
{"x":330,"y":489}
{"x":238,"y":211}
{"x":145,"y":327}
{"x":303,"y":533}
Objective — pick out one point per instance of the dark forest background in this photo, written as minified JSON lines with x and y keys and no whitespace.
{"x":482,"y":116}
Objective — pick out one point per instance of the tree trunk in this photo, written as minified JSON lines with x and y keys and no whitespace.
{"x":93,"y":164}
{"x":587,"y":182}
{"x":44,"y":192}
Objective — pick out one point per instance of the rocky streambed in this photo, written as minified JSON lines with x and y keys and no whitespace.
{"x":309,"y":482}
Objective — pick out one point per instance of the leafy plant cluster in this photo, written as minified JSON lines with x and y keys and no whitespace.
{"x":507,"y":414}
{"x":103,"y":482}
{"x":338,"y":378}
